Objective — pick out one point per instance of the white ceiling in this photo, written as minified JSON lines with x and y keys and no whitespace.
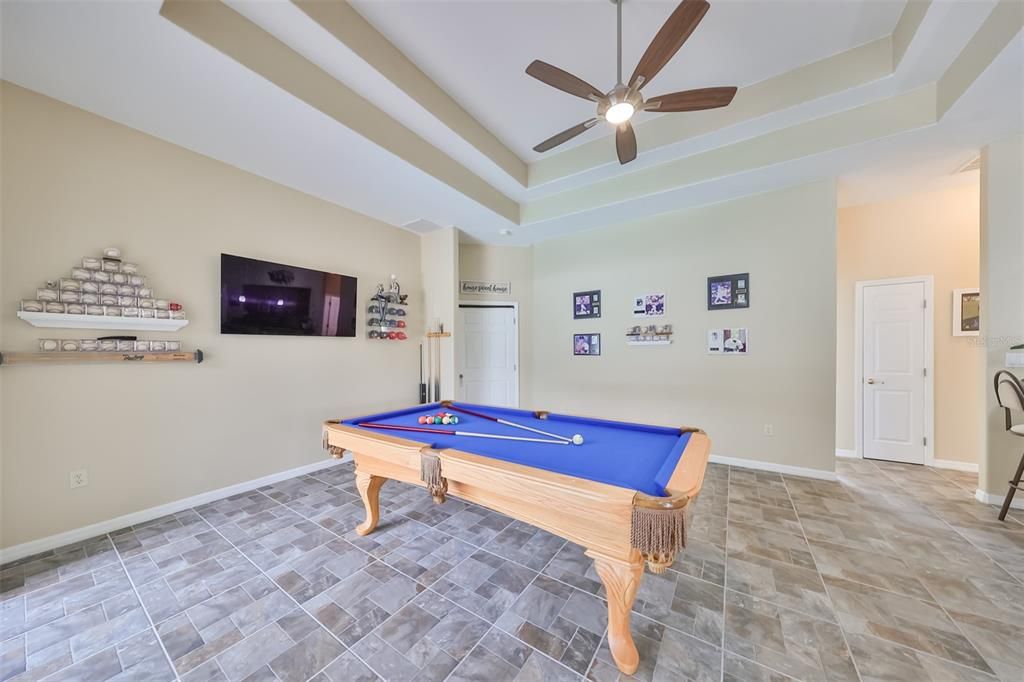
{"x":125,"y":62}
{"x":122,"y":61}
{"x":478,"y":51}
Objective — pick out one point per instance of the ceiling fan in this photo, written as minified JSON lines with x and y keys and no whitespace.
{"x":618,"y":105}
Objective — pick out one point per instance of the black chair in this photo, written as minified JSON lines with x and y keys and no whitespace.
{"x":1010,"y":394}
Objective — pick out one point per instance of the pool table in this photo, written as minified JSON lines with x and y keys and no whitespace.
{"x":624,"y":493}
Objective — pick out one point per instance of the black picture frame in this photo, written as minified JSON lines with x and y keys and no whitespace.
{"x":586,"y":344}
{"x":586,"y":305}
{"x":728,"y":292}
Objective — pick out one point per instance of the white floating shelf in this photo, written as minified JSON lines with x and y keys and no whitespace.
{"x":664,"y":342}
{"x":65,"y":321}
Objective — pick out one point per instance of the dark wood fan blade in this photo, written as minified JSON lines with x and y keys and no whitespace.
{"x":670,"y":38}
{"x":564,"y":136}
{"x":692,"y":100}
{"x":563,"y":80}
{"x":625,"y":143}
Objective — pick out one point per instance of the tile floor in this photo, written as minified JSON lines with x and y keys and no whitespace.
{"x":893,"y":573}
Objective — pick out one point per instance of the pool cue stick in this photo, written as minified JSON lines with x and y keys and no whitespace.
{"x":452,"y":406}
{"x":430,"y":370}
{"x":423,"y":385}
{"x":450,"y":432}
{"x":437,"y":349}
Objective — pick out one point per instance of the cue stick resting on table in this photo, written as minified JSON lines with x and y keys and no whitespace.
{"x":452,"y":432}
{"x":576,"y":439}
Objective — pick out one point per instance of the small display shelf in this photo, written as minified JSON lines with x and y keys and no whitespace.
{"x":653,"y":342}
{"x":65,"y":321}
{"x":651,"y":335}
{"x":90,"y":357}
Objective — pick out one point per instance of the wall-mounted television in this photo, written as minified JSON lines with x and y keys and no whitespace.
{"x":259,"y":297}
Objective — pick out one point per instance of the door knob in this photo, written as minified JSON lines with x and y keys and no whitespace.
{"x":873,"y":381}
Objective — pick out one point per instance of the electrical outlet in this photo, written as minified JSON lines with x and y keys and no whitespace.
{"x":79,"y":478}
{"x":769,"y":430}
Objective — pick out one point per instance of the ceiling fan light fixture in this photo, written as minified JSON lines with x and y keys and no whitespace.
{"x":619,"y":113}
{"x":620,"y":104}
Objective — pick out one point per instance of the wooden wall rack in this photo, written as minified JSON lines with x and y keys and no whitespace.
{"x":93,"y":357}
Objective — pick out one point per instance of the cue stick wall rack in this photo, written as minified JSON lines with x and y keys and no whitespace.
{"x":94,"y":357}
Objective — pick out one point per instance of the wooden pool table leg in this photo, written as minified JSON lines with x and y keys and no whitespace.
{"x":621,"y":579}
{"x":369,"y":489}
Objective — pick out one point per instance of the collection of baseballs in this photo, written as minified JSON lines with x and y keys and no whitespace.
{"x":104,"y":286}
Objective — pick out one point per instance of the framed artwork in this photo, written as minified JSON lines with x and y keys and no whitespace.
{"x":733,"y":341}
{"x":586,"y":305}
{"x":649,"y":305}
{"x":966,"y":312}
{"x":726,"y":292}
{"x":586,"y":344}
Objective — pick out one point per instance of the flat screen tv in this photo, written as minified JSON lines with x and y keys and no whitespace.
{"x":258,"y":297}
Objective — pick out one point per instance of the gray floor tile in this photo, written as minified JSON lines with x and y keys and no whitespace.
{"x":483,"y":666}
{"x":786,"y":641}
{"x":913,"y":623}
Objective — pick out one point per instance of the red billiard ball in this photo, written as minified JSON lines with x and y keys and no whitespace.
{"x":422,"y":420}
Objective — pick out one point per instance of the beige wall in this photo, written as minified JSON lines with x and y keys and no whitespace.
{"x":932,"y":233}
{"x":439,"y":257}
{"x":786,"y":240}
{"x":512,"y":264}
{"x":74,"y":183}
{"x":1002,"y":309}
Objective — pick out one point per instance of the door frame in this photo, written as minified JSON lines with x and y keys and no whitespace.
{"x":460,"y":348}
{"x":929,"y":358}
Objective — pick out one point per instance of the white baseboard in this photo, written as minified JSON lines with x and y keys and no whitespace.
{"x":85,"y":532}
{"x":776,"y":468}
{"x":938,"y":463}
{"x":993,"y":498}
{"x":953,"y":464}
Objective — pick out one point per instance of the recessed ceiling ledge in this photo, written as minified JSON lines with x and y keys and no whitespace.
{"x":891,"y":116}
{"x":343,"y":22}
{"x":227,"y":31}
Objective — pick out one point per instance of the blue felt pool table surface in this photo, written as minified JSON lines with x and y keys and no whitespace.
{"x":635,"y":456}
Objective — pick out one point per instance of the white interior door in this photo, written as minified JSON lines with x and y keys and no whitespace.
{"x":487,"y":362}
{"x":894,"y":366}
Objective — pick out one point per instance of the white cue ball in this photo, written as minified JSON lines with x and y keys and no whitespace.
{"x":577,"y":439}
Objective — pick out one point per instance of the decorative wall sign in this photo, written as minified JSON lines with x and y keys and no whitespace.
{"x":729,"y":291}
{"x":966,"y":312}
{"x":472,"y":286}
{"x":586,"y":305}
{"x":649,"y":305}
{"x":586,"y":344}
{"x":734,"y":341}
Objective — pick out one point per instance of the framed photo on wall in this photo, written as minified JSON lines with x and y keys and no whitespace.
{"x":728,"y":341}
{"x":649,"y":305}
{"x":726,"y":292}
{"x":586,"y":344}
{"x":586,"y":305}
{"x":966,"y":312}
